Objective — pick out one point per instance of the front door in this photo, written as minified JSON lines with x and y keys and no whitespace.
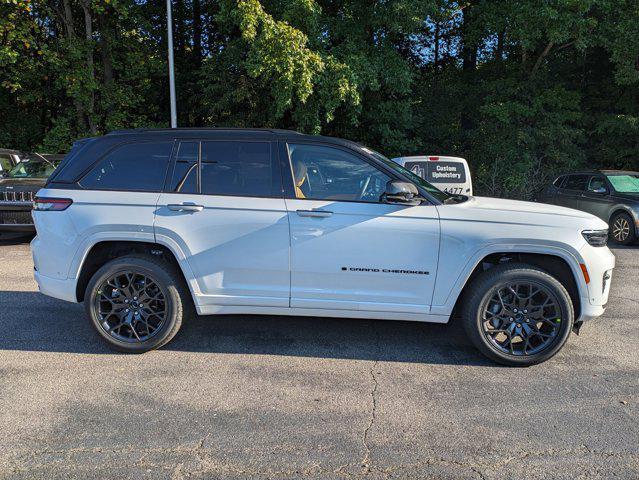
{"x":225,"y":210}
{"x":596,"y":199}
{"x":348,"y":249}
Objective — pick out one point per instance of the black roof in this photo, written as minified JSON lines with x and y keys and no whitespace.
{"x":602,"y":171}
{"x":272,"y":133}
{"x":85,"y":151}
{"x":10,"y":151}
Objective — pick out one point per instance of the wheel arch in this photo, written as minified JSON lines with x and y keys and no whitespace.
{"x":104,"y":251}
{"x":554,"y":264}
{"x":619,"y":209}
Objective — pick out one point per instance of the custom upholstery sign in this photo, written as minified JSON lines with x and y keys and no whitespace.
{"x":438,"y":172}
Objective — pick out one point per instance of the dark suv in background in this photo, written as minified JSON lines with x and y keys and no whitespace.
{"x":612,"y":195}
{"x":18,"y":187}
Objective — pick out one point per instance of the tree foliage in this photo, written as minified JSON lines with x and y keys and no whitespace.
{"x":522,"y":88}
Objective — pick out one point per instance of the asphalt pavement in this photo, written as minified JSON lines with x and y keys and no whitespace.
{"x":289,"y":397}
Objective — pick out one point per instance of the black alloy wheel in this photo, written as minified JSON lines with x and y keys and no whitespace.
{"x":517,"y":314}
{"x":136,"y":302}
{"x":131,"y":306}
{"x":522,"y":318}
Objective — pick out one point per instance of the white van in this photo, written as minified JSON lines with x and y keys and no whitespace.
{"x":450,"y":174}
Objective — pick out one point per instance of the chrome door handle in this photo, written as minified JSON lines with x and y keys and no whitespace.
{"x":185,"y":207}
{"x":314,"y":213}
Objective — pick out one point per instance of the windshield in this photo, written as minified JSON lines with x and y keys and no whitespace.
{"x":627,"y":183}
{"x":434,"y":191}
{"x":32,"y":168}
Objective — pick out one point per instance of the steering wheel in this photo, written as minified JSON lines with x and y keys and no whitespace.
{"x":365,"y":187}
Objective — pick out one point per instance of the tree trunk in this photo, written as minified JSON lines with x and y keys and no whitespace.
{"x":67,"y":20}
{"x":105,"y":49}
{"x":469,"y":65}
{"x":88,"y":35}
{"x":541,"y":57}
{"x":436,"y":41}
{"x":499,"y":52}
{"x":197,"y":32}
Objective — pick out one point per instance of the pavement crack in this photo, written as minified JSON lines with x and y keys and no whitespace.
{"x":624,"y":298}
{"x":373,"y":412}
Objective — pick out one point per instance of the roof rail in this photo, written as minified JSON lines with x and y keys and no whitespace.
{"x":199,"y":129}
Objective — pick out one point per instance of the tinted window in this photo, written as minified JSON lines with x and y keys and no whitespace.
{"x":237,"y":168}
{"x":5,"y":163}
{"x":185,"y":171}
{"x":576,"y":182}
{"x":596,"y":183}
{"x":557,"y":183}
{"x":29,"y":168}
{"x":133,"y":166}
{"x":326,"y":173}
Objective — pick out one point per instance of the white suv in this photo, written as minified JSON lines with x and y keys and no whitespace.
{"x":145,"y":225}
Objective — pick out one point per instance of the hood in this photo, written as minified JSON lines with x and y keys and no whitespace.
{"x":502,"y":211}
{"x":627,"y":197}
{"x":22,"y":184}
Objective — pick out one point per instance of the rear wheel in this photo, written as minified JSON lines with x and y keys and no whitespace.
{"x":517,"y":315}
{"x":622,"y":229}
{"x":135,"y":303}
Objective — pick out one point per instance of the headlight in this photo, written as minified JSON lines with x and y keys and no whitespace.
{"x":596,"y":238}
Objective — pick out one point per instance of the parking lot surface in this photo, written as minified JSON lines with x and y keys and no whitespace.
{"x":277,"y":397}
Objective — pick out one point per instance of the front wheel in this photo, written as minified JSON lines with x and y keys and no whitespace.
{"x":517,"y":314}
{"x":622,"y":229}
{"x":135,"y":303}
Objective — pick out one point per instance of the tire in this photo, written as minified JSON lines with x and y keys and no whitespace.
{"x":157,"y":283}
{"x":479,"y":302}
{"x":622,"y":229}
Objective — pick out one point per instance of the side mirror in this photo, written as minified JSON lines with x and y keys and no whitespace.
{"x":401,"y":193}
{"x":601,"y":190}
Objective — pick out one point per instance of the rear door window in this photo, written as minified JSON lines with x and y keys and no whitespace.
{"x":235,"y":168}
{"x":576,"y":182}
{"x":131,"y":167}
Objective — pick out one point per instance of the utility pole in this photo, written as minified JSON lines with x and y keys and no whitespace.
{"x":169,"y":27}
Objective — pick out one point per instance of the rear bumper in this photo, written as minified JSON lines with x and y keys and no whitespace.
{"x":53,"y":287}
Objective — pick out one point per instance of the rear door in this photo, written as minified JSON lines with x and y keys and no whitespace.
{"x":570,"y":193}
{"x":223,"y":207}
{"x":349,"y":250}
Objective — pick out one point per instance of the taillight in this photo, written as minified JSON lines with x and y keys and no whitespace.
{"x":433,"y":159}
{"x":51,"y":204}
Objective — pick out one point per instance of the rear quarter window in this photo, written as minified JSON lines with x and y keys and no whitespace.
{"x":558,"y":183}
{"x":131,"y":167}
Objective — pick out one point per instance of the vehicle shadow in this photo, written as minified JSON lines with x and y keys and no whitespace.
{"x":15,"y":238}
{"x":31,"y":321}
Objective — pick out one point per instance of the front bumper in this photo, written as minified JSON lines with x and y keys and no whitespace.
{"x":600,"y":263}
{"x":16,"y":217}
